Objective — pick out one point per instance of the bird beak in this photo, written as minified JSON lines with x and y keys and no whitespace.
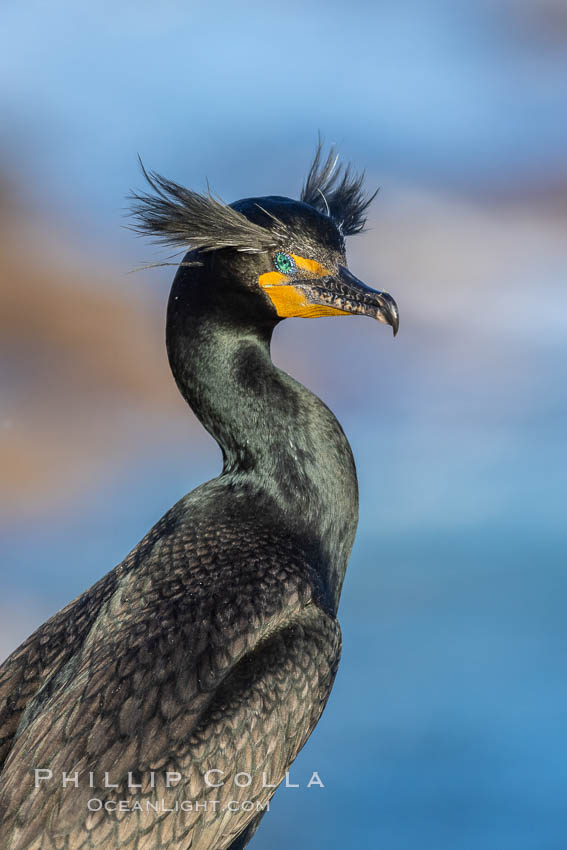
{"x":347,"y":294}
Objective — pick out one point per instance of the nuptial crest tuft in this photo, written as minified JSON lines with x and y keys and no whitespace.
{"x":335,"y":190}
{"x":176,"y":216}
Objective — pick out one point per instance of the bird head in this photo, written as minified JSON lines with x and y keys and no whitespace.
{"x":272,"y":256}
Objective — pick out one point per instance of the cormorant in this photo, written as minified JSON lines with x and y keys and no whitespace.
{"x":191,"y":675}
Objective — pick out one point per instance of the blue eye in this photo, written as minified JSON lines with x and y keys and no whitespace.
{"x":284,"y":263}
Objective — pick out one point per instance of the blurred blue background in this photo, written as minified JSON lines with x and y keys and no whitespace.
{"x":446,"y":727}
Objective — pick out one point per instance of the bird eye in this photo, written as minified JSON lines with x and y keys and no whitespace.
{"x":284,"y":263}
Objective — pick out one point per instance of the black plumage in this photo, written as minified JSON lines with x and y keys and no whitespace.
{"x":213,"y":646}
{"x":335,"y":190}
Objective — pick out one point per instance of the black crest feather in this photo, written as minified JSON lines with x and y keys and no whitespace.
{"x":175,"y":216}
{"x":335,"y":190}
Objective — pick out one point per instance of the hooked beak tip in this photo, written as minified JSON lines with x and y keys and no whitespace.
{"x":395,"y":323}
{"x":389,"y":311}
{"x":361,"y":298}
{"x":345,"y":293}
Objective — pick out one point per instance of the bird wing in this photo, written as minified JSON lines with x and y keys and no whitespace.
{"x":27,"y":669}
{"x":34,"y":665}
{"x":162,"y":683}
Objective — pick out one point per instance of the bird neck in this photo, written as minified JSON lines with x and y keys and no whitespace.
{"x":277,"y":438}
